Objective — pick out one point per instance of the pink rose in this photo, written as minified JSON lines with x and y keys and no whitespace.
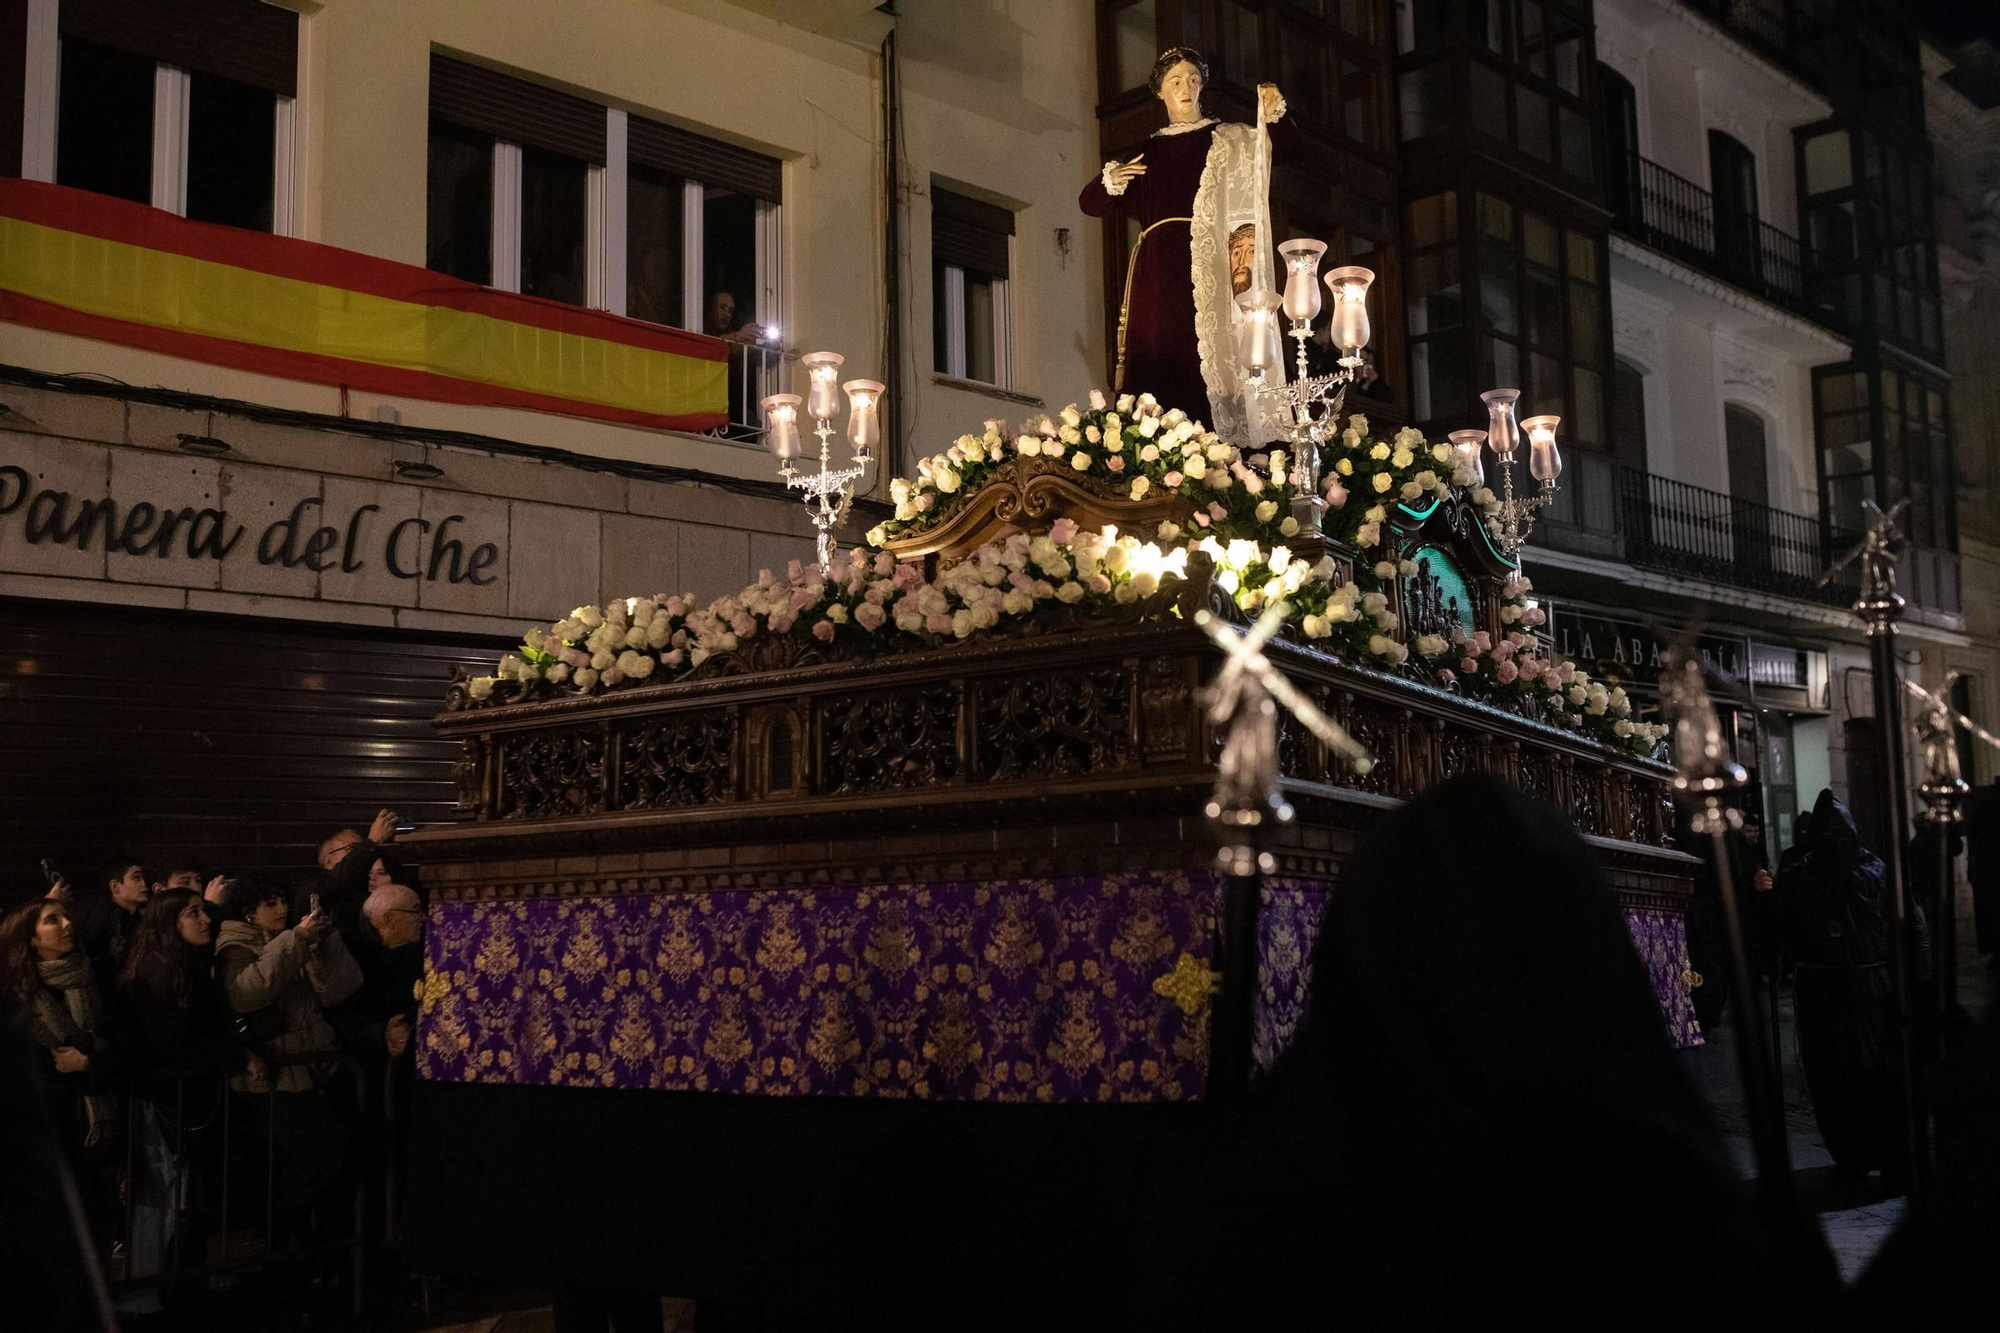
{"x":1172,"y":480}
{"x":1099,"y":583}
{"x":1552,"y":683}
{"x":1115,"y":463}
{"x":1534,"y":615}
{"x":1483,"y":641}
{"x":1201,"y":518}
{"x":1336,"y":494}
{"x":1506,"y":671}
{"x":1468,"y":665}
{"x":577,"y":658}
{"x":611,"y":676}
{"x":1216,"y":511}
{"x":823,"y":631}
{"x":939,"y":623}
{"x":677,"y":606}
{"x":743,"y":624}
{"x":1063,"y":530}
{"x":907,"y":577}
{"x":765,"y":578}
{"x":869,"y":616}
{"x":1447,"y":674}
{"x":671,"y":658}
{"x":780,"y":621}
{"x":885,"y":564}
{"x":926,"y":501}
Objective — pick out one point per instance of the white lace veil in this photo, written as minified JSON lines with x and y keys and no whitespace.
{"x":1235,"y":189}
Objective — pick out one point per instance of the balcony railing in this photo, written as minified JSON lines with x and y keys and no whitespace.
{"x":755,"y":370}
{"x":1614,"y":512}
{"x":1674,"y":215}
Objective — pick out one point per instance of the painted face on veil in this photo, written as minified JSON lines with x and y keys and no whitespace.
{"x":1181,"y":91}
{"x":1242,"y":257}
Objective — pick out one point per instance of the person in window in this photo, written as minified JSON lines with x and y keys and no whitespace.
{"x":746,"y":367}
{"x":1197,"y":184}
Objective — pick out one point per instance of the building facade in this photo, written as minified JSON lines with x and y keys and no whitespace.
{"x":546,"y":275}
{"x":343,"y":341}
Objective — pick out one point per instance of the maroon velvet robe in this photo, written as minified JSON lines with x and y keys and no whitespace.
{"x":1160,"y":355}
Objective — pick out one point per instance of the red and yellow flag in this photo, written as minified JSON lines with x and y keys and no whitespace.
{"x":82,"y":263}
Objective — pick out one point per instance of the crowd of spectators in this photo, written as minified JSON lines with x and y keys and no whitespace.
{"x":221,"y":1059}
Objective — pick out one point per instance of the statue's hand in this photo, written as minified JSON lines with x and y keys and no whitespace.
{"x":1124,"y":172}
{"x":1270,"y":101}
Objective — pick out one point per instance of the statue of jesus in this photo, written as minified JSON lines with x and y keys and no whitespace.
{"x":1199,"y":191}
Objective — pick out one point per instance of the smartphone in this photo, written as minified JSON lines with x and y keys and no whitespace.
{"x":312,"y":904}
{"x":50,"y":873}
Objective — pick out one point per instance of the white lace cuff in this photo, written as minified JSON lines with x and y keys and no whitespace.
{"x":1112,"y":185}
{"x":1278,"y":114}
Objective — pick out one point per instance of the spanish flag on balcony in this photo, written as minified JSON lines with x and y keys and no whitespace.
{"x":81,"y":263}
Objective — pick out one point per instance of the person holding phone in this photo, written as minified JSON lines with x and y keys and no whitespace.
{"x":346,"y":861}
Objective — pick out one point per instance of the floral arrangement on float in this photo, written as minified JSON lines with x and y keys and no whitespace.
{"x":1230,"y":510}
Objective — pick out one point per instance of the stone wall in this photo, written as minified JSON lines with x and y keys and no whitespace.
{"x":558,"y":535}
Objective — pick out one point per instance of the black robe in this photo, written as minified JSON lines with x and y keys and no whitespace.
{"x":1839,"y":918}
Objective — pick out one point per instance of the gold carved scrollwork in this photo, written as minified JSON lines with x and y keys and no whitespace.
{"x":1029,"y":495}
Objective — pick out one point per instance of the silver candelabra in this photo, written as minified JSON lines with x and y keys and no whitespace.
{"x":829,"y":492}
{"x":1516,"y":514}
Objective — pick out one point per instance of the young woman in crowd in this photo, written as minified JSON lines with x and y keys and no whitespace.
{"x":187,"y":1043}
{"x":48,"y":986}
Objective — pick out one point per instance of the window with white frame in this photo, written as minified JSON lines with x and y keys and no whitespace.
{"x":971,"y":244}
{"x":188,"y":108}
{"x":542,"y":192}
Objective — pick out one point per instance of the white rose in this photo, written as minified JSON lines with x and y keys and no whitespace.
{"x":482,"y":686}
{"x":1402,"y":458}
{"x":1015,"y":602}
{"x":1140,"y":486}
{"x":1267,"y":510}
{"x":1150,"y":453}
{"x":1070,"y":416}
{"x":558,"y":673}
{"x":589,"y":616}
{"x":1381,"y":646}
{"x":1028,"y":446}
{"x":586,"y":678}
{"x":635,"y":637}
{"x":947,"y":480}
{"x":1290,"y":527}
{"x":1385,"y":569}
{"x":1315,"y":627}
{"x":1080,"y":461}
{"x":837,"y":613}
{"x":1442,"y":453}
{"x":1149,"y":427}
{"x":1070,"y":592}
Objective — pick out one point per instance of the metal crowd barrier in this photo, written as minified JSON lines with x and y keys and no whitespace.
{"x":164,"y":1179}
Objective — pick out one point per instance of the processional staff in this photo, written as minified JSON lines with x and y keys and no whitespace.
{"x":1879,"y":607}
{"x":1706,"y":770}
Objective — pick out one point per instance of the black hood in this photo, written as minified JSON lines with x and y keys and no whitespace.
{"x":1833,"y":825}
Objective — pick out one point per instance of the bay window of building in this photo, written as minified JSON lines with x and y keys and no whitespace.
{"x":1512,"y":71}
{"x":971,"y":242}
{"x":1872,"y":234}
{"x":1885,"y":435}
{"x":1440,"y":386}
{"x":1542,"y":314}
{"x":189,"y":111}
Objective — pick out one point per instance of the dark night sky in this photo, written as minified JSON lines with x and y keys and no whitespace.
{"x":1950,"y":22}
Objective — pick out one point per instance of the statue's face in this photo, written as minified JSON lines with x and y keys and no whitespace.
{"x":1181,"y":91}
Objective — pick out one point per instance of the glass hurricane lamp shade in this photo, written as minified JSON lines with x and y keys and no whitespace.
{"x":1502,"y":432}
{"x":823,"y":394}
{"x":1544,"y":460}
{"x":1302,"y":278}
{"x":1471,"y":447}
{"x":1258,"y":336}
{"x":1350,"y":330}
{"x":781,"y":427}
{"x":864,"y":416}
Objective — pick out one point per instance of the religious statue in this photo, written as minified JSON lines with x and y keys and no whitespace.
{"x":1200,"y":192}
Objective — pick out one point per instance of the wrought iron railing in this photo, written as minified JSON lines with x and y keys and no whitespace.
{"x":1674,"y":215}
{"x":1612,"y":511}
{"x":755,"y":369}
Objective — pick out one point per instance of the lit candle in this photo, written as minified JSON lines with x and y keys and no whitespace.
{"x":781,"y":427}
{"x":1302,"y":278}
{"x":1258,"y":337}
{"x":1350,"y":312}
{"x":1471,"y":446}
{"x":1544,"y":460}
{"x":823,"y":395}
{"x":1501,"y":432}
{"x":864,"y":420}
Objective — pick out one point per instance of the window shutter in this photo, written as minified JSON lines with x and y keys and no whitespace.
{"x":245,"y":40}
{"x":13,"y":82}
{"x":969,"y":234}
{"x":697,"y":157}
{"x":505,"y":107}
